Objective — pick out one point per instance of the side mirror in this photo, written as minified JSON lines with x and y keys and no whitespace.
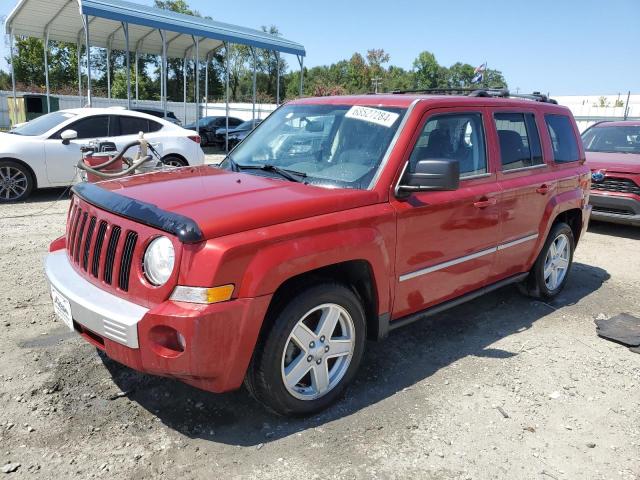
{"x":431,"y":175}
{"x":67,"y":136}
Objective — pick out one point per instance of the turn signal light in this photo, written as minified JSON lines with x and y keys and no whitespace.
{"x":202,"y":294}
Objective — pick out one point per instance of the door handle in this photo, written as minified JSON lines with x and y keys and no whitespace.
{"x":543,"y":189}
{"x":485,"y":202}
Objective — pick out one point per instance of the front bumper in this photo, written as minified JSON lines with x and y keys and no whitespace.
{"x":614,"y":208}
{"x":219,"y":339}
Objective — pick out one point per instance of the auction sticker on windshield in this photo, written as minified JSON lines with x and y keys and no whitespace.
{"x":373,"y":115}
{"x":62,"y":307}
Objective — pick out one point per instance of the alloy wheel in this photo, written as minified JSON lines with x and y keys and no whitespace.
{"x":13,"y":183}
{"x":318,"y":352}
{"x":556,"y":262}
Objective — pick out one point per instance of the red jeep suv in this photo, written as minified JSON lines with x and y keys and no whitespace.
{"x":613,"y":154}
{"x":337,"y":220}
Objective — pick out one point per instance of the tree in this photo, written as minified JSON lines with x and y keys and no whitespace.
{"x":5,"y":81}
{"x":428,"y":73}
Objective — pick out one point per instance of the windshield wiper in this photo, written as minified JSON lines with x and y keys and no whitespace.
{"x":290,"y":175}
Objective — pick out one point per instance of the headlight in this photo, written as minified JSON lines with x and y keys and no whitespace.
{"x":159,"y":260}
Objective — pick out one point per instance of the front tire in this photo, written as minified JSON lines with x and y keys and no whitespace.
{"x":311,"y":352}
{"x":16,"y":182}
{"x":549,"y":274}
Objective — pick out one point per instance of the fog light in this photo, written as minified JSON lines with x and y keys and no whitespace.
{"x":167,"y":341}
{"x":202,"y":294}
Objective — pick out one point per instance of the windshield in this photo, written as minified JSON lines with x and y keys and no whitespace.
{"x":331,"y":145}
{"x":43,"y":124}
{"x":620,"y":139}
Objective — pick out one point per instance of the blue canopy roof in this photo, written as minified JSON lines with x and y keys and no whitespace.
{"x":63,"y":20}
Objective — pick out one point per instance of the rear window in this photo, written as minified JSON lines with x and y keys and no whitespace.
{"x":563,"y":138}
{"x":133,"y":125}
{"x":519,"y":140}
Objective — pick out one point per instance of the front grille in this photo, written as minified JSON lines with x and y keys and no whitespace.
{"x":619,"y":185}
{"x":100,"y":248}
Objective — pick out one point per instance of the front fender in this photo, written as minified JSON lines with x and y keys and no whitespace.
{"x":257,"y":262}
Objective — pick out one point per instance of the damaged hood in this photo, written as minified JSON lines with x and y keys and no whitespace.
{"x":199,"y":203}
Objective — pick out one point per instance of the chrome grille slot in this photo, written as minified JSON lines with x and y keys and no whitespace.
{"x":111,"y":254}
{"x":73,"y":230}
{"x":97,"y":249}
{"x":78,"y":243}
{"x":87,"y":242}
{"x":127,"y":255}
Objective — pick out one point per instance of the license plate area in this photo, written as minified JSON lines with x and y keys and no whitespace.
{"x":62,"y":307}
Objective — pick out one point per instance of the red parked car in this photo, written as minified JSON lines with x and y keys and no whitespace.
{"x":335,"y":221}
{"x":613,"y":154}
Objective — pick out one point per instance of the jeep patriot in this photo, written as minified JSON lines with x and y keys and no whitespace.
{"x":337,"y":220}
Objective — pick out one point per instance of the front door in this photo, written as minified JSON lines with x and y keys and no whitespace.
{"x":61,"y":159}
{"x":446,"y":241}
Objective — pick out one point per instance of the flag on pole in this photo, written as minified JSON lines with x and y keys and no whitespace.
{"x":478,"y":73}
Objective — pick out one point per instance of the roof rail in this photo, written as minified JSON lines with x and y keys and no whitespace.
{"x":481,"y":92}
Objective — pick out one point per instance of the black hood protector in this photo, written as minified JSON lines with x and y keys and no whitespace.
{"x":186,"y":229}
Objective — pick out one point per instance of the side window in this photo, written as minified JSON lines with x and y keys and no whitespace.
{"x":519,"y":140}
{"x":133,"y":125}
{"x":459,"y":137}
{"x":563,"y":138}
{"x":91,"y":127}
{"x":154,"y":126}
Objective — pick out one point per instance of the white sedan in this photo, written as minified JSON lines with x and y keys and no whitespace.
{"x":35,"y":155}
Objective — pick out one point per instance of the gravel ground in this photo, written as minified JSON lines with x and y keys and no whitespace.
{"x":502,"y":387}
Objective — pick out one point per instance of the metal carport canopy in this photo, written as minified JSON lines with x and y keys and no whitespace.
{"x":63,"y":19}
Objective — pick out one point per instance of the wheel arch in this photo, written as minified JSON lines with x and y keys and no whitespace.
{"x":176,"y":155}
{"x":573,"y":218}
{"x":355,"y":274}
{"x":34,"y":177}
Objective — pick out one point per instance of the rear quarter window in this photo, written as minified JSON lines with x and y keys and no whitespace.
{"x":563,"y":138}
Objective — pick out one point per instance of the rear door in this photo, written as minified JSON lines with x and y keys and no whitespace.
{"x":527,"y":182}
{"x":61,"y":159}
{"x":446,"y":241}
{"x":127,"y":128}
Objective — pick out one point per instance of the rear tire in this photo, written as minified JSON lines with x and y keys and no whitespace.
{"x":16,"y":182}
{"x":310,"y":352}
{"x":173,"y":161}
{"x":549,"y":274}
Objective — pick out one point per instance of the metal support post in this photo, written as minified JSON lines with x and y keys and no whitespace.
{"x":13,"y":70}
{"x":79,"y":71}
{"x":184,"y":86}
{"x":226,"y":64}
{"x":137,"y":73}
{"x":163,"y":73}
{"x":206,"y":86}
{"x":125,"y":28}
{"x":196,"y":42}
{"x":301,"y":62}
{"x":255,"y":68}
{"x":88,"y":48}
{"x":277,"y":77}
{"x":46,"y":68}
{"x":109,"y":70}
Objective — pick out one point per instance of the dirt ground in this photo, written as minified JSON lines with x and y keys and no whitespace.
{"x":502,"y":387}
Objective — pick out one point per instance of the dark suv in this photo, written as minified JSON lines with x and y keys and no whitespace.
{"x":613,"y":155}
{"x":207,"y":127}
